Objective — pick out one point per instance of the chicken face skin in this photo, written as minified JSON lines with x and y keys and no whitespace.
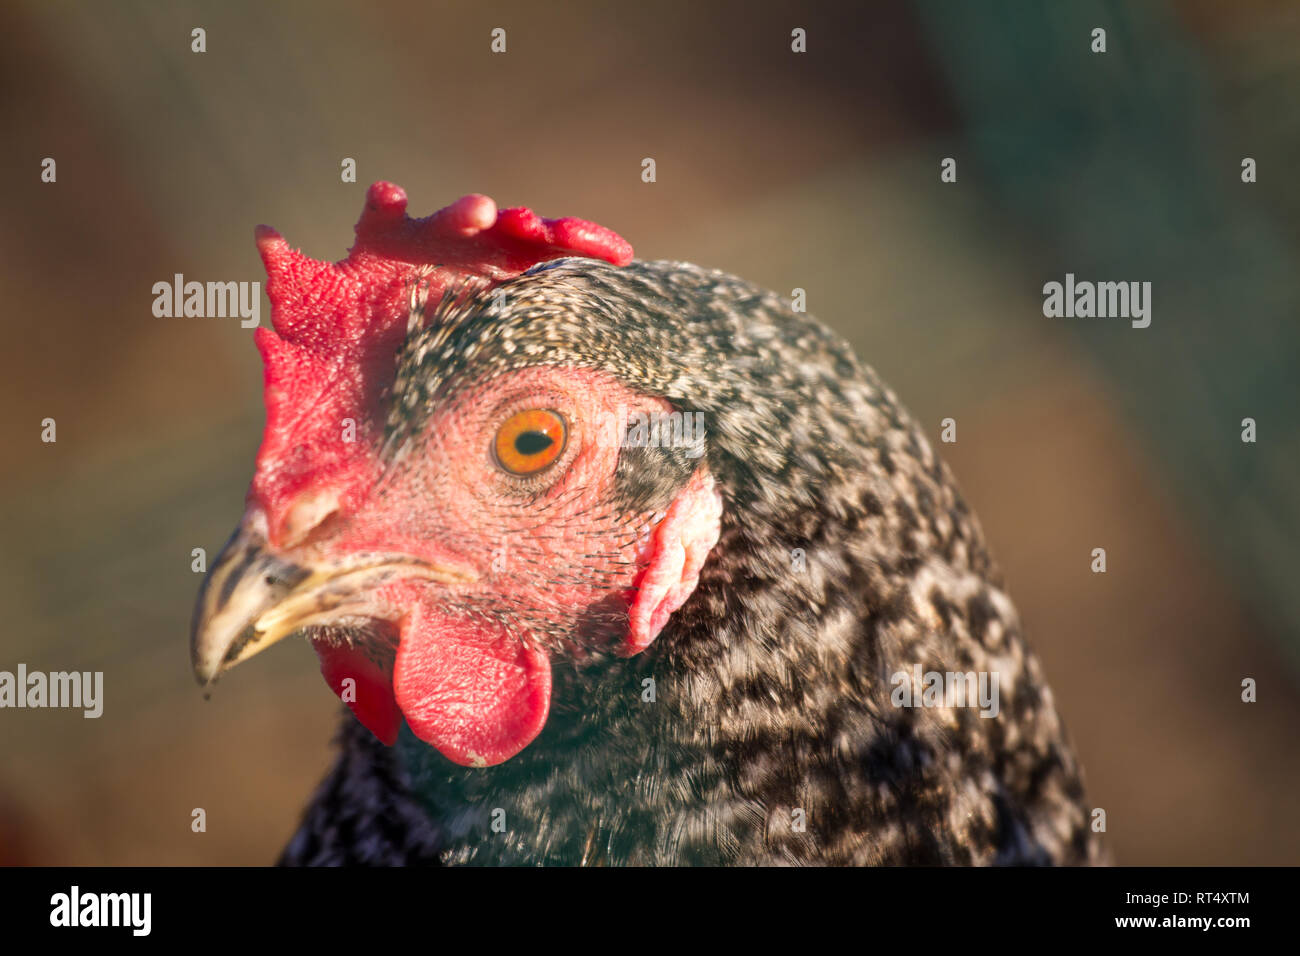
{"x":439,"y":593}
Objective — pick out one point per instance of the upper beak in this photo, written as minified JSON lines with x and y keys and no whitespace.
{"x":245,"y":582}
{"x":253,"y":597}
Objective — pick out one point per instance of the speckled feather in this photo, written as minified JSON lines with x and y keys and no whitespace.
{"x":772,"y":684}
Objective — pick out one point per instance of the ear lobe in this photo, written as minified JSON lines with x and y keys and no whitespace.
{"x":678,"y":548}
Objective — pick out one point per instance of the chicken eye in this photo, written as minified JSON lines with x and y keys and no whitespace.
{"x":529,"y":441}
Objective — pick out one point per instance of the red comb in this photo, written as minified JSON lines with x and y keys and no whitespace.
{"x":338,"y":325}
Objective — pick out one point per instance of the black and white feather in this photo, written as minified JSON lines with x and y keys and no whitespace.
{"x":847,"y":556}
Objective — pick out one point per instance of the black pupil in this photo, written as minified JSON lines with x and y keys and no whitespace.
{"x":530,"y":443}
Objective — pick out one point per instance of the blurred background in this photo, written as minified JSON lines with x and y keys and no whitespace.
{"x":818,"y":170}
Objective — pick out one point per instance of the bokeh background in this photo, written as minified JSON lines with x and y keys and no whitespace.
{"x":819,"y":171}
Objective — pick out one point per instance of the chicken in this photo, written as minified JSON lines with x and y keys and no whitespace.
{"x":621,"y":562}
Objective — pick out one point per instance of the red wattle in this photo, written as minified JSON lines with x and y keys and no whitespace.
{"x":470,"y":688}
{"x":372,"y":699}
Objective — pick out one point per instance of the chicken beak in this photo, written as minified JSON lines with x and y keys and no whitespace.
{"x":245,"y":583}
{"x":253,"y":597}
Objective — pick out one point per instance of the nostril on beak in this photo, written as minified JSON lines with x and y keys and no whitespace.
{"x":307,"y":514}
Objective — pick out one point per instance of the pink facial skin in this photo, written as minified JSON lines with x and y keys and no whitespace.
{"x":472,"y":673}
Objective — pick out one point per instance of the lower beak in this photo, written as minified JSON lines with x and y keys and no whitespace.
{"x":253,"y":597}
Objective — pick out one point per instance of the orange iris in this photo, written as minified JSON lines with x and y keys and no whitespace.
{"x":529,"y":441}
